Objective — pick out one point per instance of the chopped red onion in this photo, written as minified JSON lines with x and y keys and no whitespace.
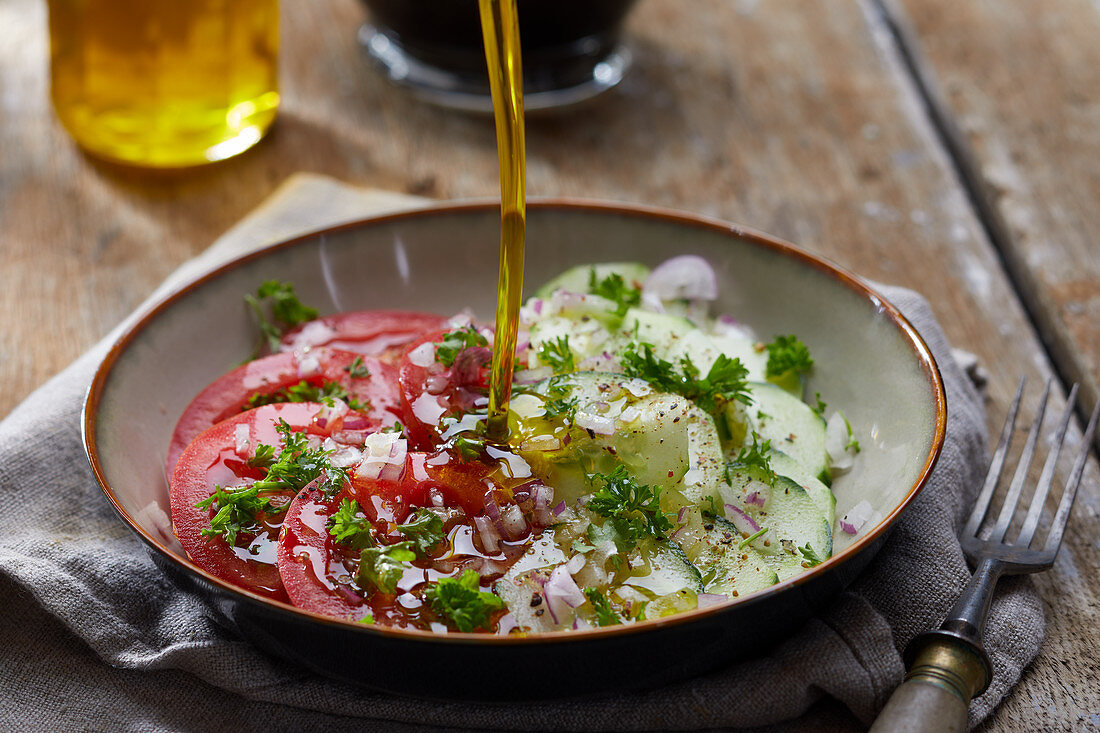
{"x":512,"y":522}
{"x":559,"y":508}
{"x":562,"y":594}
{"x":423,"y":355}
{"x":742,"y":521}
{"x":687,"y":276}
{"x":490,"y":540}
{"x":596,"y":423}
{"x":537,"y":374}
{"x":579,"y":624}
{"x":856,"y":517}
{"x":681,"y":514}
{"x":711,"y":599}
{"x":575,"y":563}
{"x":240,"y":438}
{"x":467,"y":367}
{"x":755,"y":497}
{"x":358,"y":422}
{"x":541,"y":496}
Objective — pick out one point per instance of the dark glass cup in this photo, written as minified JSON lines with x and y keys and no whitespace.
{"x":571,"y":49}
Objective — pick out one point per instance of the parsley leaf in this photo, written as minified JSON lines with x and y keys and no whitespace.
{"x":754,"y":460}
{"x":455,"y":341}
{"x":356,"y":370}
{"x":614,"y":289}
{"x":460,"y":601}
{"x":819,"y":408}
{"x":297,"y":465}
{"x":349,"y":526}
{"x":325,"y":392}
{"x":286,"y":311}
{"x":811,"y":556}
{"x":725,"y":382}
{"x":557,"y":355}
{"x":381,"y":567}
{"x":557,"y":402}
{"x":397,"y":427}
{"x":238,"y":508}
{"x":605,"y":614}
{"x":632,"y":509}
{"x":470,"y":447}
{"x":425,"y":530}
{"x":787,"y":358}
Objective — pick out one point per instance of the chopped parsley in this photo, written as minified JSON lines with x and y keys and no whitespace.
{"x":470,"y":447}
{"x":381,"y":567}
{"x":633,"y":510}
{"x":397,"y":427}
{"x":725,"y":382}
{"x":461,"y":601}
{"x":557,"y":355}
{"x":424,"y":529}
{"x":326,"y":392}
{"x":819,"y":408}
{"x":614,"y":289}
{"x":557,"y":402}
{"x":349,"y":526}
{"x":237,"y":511}
{"x":286,"y":311}
{"x":605,"y":614}
{"x":754,"y":460}
{"x":297,"y":465}
{"x":853,"y":444}
{"x":787,"y":358}
{"x":356,"y":370}
{"x":811,"y":556}
{"x":457,"y":341}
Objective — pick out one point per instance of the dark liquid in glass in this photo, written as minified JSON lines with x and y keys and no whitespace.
{"x":563,"y":41}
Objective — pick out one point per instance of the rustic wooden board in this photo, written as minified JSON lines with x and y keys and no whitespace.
{"x":1015,"y":88}
{"x":795,"y":118}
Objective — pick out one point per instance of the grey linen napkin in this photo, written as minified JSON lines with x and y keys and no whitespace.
{"x":95,"y":637}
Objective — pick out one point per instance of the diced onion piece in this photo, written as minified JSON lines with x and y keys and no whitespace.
{"x":541,"y":443}
{"x":711,"y":599}
{"x":596,"y":423}
{"x":240,"y":439}
{"x":742,"y":521}
{"x":856,"y":517}
{"x":423,"y":355}
{"x":579,"y":624}
{"x":575,"y":564}
{"x":461,"y":319}
{"x":308,"y":363}
{"x":562,"y":595}
{"x":629,"y":415}
{"x":837,"y":439}
{"x":330,"y":416}
{"x":757,"y":493}
{"x":342,"y":455}
{"x":530,"y":376}
{"x":685,"y":277}
{"x":427,"y":409}
{"x":490,"y":540}
{"x":382,"y":452}
{"x":512,"y":522}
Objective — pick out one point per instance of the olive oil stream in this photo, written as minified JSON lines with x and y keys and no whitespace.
{"x":500,"y":29}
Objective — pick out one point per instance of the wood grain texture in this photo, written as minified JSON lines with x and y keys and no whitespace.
{"x":1016,"y":90}
{"x":795,"y":118}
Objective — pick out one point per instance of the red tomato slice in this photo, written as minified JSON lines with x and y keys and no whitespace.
{"x":219,"y":457}
{"x":383,"y":334}
{"x":431,"y":391}
{"x":230,"y":394}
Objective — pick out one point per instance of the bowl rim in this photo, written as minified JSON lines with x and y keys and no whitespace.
{"x":854,"y":283}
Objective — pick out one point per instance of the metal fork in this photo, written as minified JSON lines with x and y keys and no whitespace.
{"x":948,"y":667}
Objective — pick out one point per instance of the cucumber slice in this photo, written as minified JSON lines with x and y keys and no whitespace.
{"x":661,"y":330}
{"x":577,"y":279}
{"x":663,"y":440}
{"x":704,"y":349}
{"x":585,"y":337}
{"x":789,"y":423}
{"x":798,"y":523}
{"x":664,"y":569}
{"x":822,"y":495}
{"x":519,"y":586}
{"x":730,"y":570}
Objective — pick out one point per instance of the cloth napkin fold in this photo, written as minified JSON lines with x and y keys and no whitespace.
{"x":94,"y":635}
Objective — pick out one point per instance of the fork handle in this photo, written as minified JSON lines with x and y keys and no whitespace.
{"x":935,"y":695}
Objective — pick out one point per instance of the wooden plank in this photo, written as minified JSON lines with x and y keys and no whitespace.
{"x":796,"y":118}
{"x":1015,"y":89}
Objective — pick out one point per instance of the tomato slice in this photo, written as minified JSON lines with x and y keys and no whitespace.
{"x":380,"y":333}
{"x":376,"y":389}
{"x":431,"y":391}
{"x":220,"y":457}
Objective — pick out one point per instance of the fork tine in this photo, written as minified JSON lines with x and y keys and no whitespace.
{"x":1008,"y":509}
{"x":981,"y":504}
{"x":1061,"y":518}
{"x":1031,"y":522}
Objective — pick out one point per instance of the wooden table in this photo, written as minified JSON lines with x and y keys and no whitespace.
{"x":950,"y":147}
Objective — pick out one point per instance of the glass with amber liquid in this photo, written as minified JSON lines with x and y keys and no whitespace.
{"x":164,"y":83}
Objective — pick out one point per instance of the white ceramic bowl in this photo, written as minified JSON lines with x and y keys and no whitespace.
{"x":869,"y":361}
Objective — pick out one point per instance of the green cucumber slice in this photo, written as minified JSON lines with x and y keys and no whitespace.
{"x":577,"y":279}
{"x":790,"y":424}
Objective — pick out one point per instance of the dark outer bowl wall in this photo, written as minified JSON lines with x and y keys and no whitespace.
{"x":582,"y":664}
{"x":382,"y":270}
